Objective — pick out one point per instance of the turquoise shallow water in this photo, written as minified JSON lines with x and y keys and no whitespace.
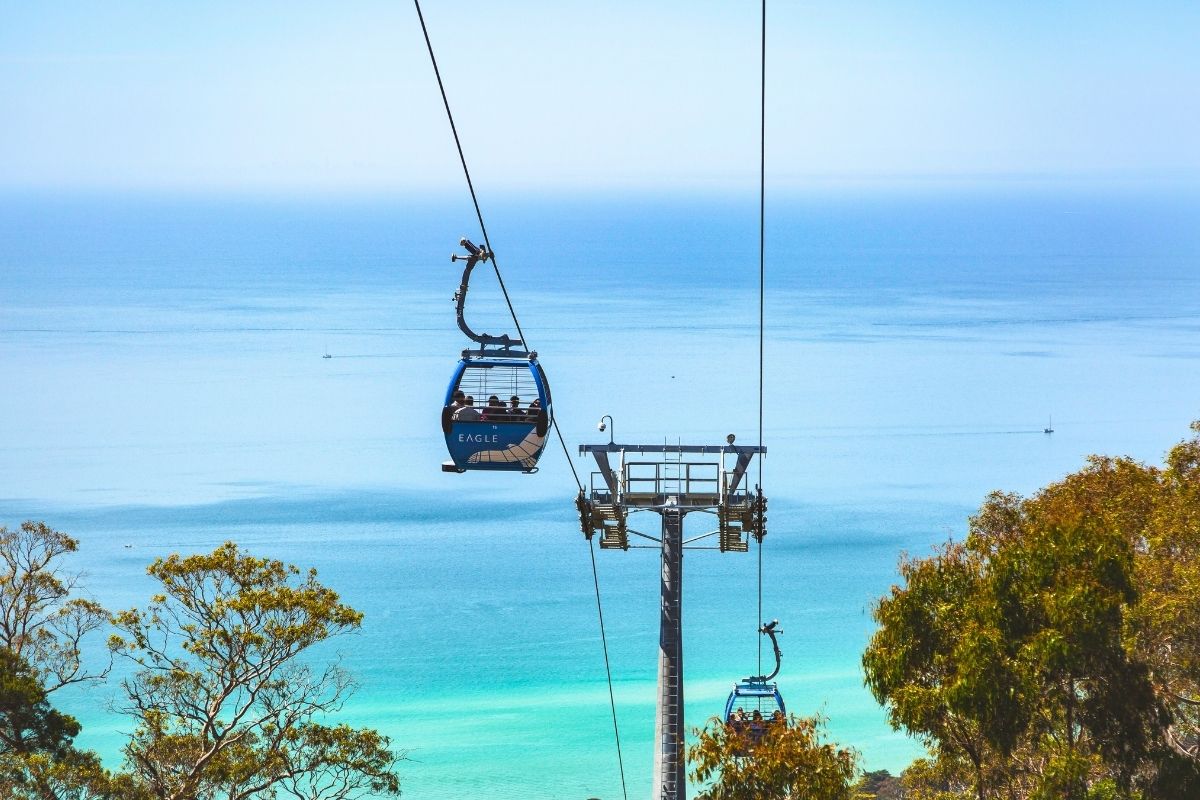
{"x":165,"y":392}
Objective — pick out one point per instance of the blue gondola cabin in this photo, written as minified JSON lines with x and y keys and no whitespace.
{"x":753,"y":707}
{"x":496,"y":414}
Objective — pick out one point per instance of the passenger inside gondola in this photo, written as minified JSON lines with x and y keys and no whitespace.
{"x":467,"y":412}
{"x":494,"y":412}
{"x":758,"y":726}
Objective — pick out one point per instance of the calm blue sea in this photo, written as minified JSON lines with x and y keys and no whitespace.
{"x":165,"y":391}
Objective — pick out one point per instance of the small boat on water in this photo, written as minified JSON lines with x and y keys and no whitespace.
{"x":1048,"y":429}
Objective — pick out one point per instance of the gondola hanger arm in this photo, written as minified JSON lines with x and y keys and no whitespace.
{"x":771,"y":629}
{"x":475,"y":254}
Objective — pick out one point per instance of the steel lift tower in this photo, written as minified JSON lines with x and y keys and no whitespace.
{"x":672,"y":481}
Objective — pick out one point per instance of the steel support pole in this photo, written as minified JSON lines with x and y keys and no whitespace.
{"x":670,"y":777}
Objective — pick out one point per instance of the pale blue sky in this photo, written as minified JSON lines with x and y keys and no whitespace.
{"x":570,"y":95}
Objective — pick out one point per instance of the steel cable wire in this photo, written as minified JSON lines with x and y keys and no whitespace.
{"x":608,"y":669}
{"x":496,"y":267}
{"x":762,"y":260}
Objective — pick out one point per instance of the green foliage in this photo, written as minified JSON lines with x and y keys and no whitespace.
{"x":941,"y":778}
{"x":1166,"y":629}
{"x":223,"y":703}
{"x":1055,"y":652}
{"x":790,"y":761}
{"x":36,"y":751}
{"x":27,"y":721}
{"x":880,"y":785}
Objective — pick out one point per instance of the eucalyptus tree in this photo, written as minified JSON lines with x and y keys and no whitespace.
{"x":790,"y":761}
{"x":43,"y":626}
{"x":941,"y":662}
{"x":1010,"y":652}
{"x":1167,"y":621}
{"x":42,"y":620}
{"x":228,"y":701}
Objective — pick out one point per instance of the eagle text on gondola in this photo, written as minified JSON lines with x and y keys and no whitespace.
{"x":478,"y":437}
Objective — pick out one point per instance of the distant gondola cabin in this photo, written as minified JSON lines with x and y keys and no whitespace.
{"x":752,"y":708}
